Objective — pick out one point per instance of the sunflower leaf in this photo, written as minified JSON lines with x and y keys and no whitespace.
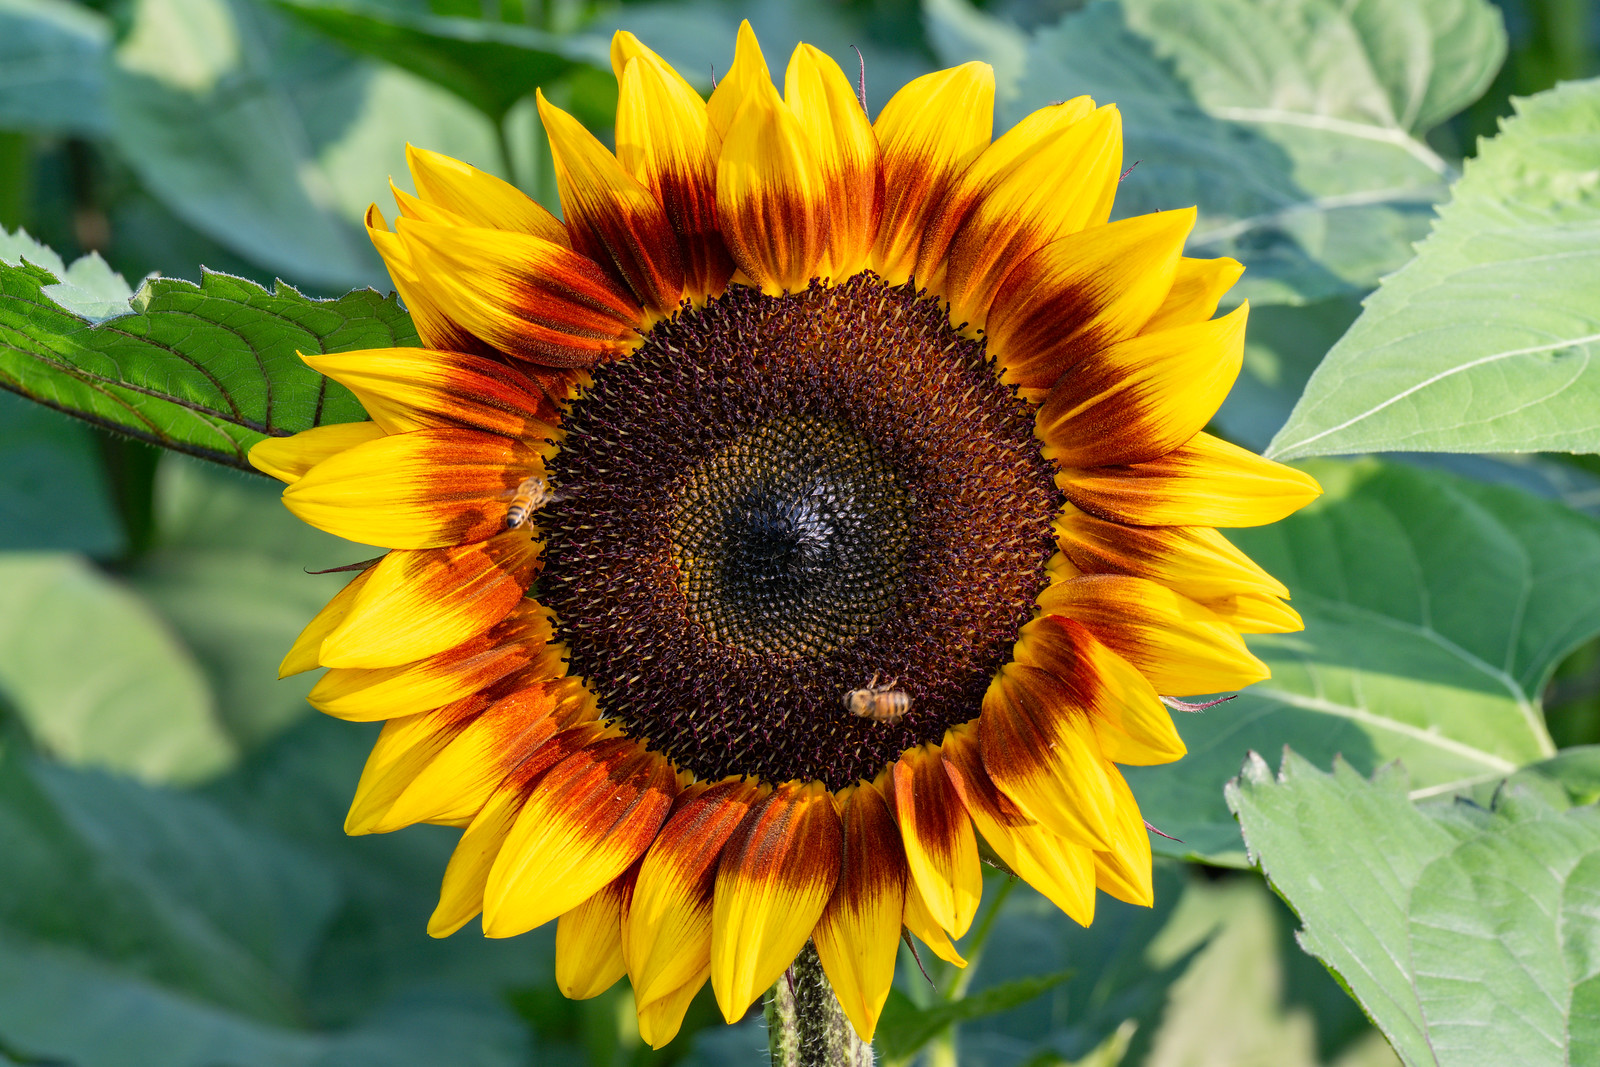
{"x":52,"y":67}
{"x":207,"y":369}
{"x":1436,"y":609}
{"x":1487,"y":341}
{"x":905,"y":1028}
{"x":1297,"y":127}
{"x":490,"y":65}
{"x":1467,"y":933}
{"x":147,"y":926}
{"x":269,"y":140}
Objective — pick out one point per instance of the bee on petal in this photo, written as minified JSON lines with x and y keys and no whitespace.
{"x":531,"y":495}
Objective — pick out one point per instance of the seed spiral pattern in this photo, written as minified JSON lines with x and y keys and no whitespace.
{"x":775,"y":498}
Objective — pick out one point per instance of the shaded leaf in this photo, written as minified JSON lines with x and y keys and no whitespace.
{"x":1487,"y":341}
{"x":269,"y":140}
{"x":905,"y":1028}
{"x":206,"y":369}
{"x":53,"y":491}
{"x":490,"y":65}
{"x":146,"y":928}
{"x":1296,"y":127}
{"x":52,"y":67}
{"x":96,"y":677}
{"x":1467,"y":934}
{"x":1436,"y":609}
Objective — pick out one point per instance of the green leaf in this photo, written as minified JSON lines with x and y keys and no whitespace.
{"x":1486,"y":342}
{"x":148,"y":928}
{"x":1436,"y":609}
{"x":1297,"y":127}
{"x":52,"y":67}
{"x":89,"y":288}
{"x":1467,"y":934}
{"x":97,"y":679}
{"x":270,"y":141}
{"x":228,"y":572}
{"x":960,"y":32}
{"x":207,"y":369}
{"x":905,"y":1028}
{"x":490,"y":65}
{"x":53,"y":491}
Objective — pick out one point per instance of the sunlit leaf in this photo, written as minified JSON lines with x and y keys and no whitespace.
{"x":206,"y":369}
{"x":1467,"y":934}
{"x":1435,"y":609}
{"x":1296,"y":127}
{"x":1487,"y":342}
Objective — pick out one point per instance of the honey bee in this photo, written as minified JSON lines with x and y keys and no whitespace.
{"x":880,"y":703}
{"x":533,"y":494}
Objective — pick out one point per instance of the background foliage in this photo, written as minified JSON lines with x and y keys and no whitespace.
{"x":175,"y":889}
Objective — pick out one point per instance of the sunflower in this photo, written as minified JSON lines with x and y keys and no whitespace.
{"x":822,"y":505}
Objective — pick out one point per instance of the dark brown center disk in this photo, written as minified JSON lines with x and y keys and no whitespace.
{"x":775,"y":499}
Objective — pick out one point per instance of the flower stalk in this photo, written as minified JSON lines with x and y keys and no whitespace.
{"x":806,"y":1027}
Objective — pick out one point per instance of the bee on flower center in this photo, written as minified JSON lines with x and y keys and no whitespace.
{"x":531,"y":495}
{"x":880,"y":703}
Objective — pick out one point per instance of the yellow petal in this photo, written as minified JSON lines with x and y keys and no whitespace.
{"x":1181,"y":646}
{"x":360,"y":694}
{"x":1030,"y":206}
{"x":1143,"y":397}
{"x":589,"y":942}
{"x":1196,"y":561}
{"x":524,"y":296}
{"x":304,"y":654}
{"x":1197,"y":287}
{"x":1039,"y":747}
{"x":1207,"y":482}
{"x":1026,"y":139}
{"x":773,"y":882}
{"x":918,"y":920}
{"x":1253,"y":613}
{"x":461,"y":775}
{"x":662,"y":1018}
{"x":858,"y":936}
{"x":664,"y":140}
{"x":1130,"y":723}
{"x":461,"y":895}
{"x":747,"y":75}
{"x":417,"y":604}
{"x":1078,"y":294}
{"x":478,"y":197}
{"x":404,"y":747}
{"x":846,"y":149}
{"x":930,"y":131}
{"x":589,"y":818}
{"x":289,"y":458}
{"x":771,"y":199}
{"x":1124,"y":870}
{"x":667,"y":934}
{"x":426,"y":489}
{"x":611,"y":217}
{"x":406,"y":389}
{"x":1062,"y":871}
{"x":941,"y":851}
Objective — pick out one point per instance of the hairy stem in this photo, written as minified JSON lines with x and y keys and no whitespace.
{"x":805,"y":1025}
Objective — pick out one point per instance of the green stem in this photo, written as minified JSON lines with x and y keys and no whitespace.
{"x":806,"y":1027}
{"x":942,"y":1049}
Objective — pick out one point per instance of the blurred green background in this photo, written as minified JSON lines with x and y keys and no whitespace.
{"x":175,"y":888}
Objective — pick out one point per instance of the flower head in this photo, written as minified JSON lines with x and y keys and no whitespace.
{"x":819,"y":497}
